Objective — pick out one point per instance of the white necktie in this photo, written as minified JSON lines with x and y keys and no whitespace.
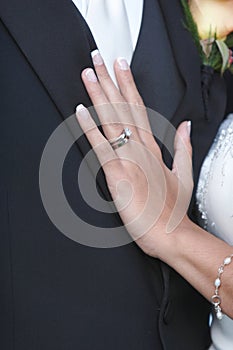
{"x":108,"y":19}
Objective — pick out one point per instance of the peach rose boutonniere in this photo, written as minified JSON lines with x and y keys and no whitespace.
{"x":211,"y":24}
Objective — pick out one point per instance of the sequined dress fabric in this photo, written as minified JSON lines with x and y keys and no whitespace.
{"x":215,"y":202}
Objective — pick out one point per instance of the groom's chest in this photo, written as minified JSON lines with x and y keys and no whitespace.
{"x":57,"y":43}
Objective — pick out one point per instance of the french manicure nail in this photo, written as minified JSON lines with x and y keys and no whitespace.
{"x":189,"y":127}
{"x":90,"y":74}
{"x":123,"y":64}
{"x":97,"y":58}
{"x":82,"y":111}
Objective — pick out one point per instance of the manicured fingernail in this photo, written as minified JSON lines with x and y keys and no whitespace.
{"x":189,"y":127}
{"x":90,"y":74}
{"x":97,"y":58}
{"x":81,"y":111}
{"x":123,"y":64}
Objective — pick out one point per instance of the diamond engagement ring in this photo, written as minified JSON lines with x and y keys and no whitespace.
{"x":122,"y":139}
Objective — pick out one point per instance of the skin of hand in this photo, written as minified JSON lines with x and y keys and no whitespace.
{"x":145,"y":192}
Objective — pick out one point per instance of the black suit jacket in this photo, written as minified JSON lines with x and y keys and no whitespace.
{"x":56,"y":293}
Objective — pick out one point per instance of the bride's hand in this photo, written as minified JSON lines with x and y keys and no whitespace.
{"x":151,"y":199}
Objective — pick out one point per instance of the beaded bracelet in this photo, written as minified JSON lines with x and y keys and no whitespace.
{"x":216,"y":300}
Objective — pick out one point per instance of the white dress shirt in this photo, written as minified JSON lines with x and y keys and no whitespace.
{"x":112,"y":41}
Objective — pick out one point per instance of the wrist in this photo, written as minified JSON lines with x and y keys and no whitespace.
{"x":172,"y":247}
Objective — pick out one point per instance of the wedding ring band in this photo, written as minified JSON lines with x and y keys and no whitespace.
{"x":122,"y":139}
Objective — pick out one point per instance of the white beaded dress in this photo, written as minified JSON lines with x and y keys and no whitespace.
{"x":215,"y":201}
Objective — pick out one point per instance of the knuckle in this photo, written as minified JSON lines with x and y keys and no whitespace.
{"x":137,"y":104}
{"x":95,"y":92}
{"x":127,"y":78}
{"x":140,"y":104}
{"x":127,"y":83}
{"x":189,"y":148}
{"x":123,"y":107}
{"x":105,"y":151}
{"x":103,"y":75}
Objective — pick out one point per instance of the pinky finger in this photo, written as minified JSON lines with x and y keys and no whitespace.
{"x":99,"y":143}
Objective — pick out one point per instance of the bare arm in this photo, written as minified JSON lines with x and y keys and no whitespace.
{"x":190,"y":250}
{"x":196,"y":255}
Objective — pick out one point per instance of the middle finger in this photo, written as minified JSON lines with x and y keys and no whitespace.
{"x":113,"y":111}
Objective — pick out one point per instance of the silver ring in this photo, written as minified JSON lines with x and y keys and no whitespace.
{"x":122,"y":139}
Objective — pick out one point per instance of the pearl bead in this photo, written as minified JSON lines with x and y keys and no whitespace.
{"x":227,"y":261}
{"x":219,"y":315}
{"x":217,"y":282}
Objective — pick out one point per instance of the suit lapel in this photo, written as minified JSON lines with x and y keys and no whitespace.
{"x":57,"y":43}
{"x":53,"y":38}
{"x":154,"y":67}
{"x":191,"y":105}
{"x":186,"y":56}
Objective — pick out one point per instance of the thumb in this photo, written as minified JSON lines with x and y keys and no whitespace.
{"x":182,"y":163}
{"x":182,"y":168}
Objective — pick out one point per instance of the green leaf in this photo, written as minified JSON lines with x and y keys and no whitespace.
{"x":229,"y":40}
{"x":224,"y":50}
{"x":191,"y":26}
{"x":215,"y":59}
